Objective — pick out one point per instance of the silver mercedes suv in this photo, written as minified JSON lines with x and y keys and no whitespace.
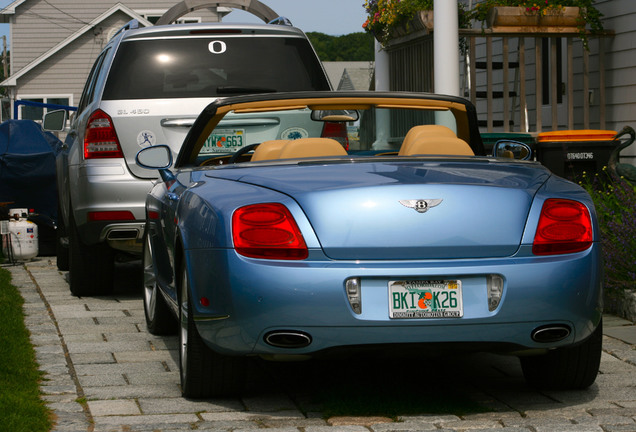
{"x":147,"y":87}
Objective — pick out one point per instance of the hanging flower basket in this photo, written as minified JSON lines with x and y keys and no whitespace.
{"x":423,"y":20}
{"x":518,"y":16}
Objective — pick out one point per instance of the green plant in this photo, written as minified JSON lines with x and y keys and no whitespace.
{"x":383,"y":16}
{"x":589,"y":15}
{"x":21,"y":408}
{"x":615,"y":202}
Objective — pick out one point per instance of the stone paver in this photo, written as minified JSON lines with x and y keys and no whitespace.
{"x":105,"y":373}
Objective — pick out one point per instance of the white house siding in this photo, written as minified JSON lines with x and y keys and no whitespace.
{"x":620,"y":15}
{"x":39,"y":25}
{"x":65,"y":72}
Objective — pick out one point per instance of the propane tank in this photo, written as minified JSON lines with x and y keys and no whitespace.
{"x":20,"y":243}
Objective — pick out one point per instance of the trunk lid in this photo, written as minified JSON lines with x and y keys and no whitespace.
{"x":368,"y":211}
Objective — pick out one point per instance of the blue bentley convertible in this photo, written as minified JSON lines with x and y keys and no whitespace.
{"x":381,"y":225}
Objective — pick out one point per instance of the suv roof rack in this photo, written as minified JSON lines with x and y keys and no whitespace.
{"x":130,"y":25}
{"x":281,"y":20}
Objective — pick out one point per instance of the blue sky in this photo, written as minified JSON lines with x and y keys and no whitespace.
{"x":332,"y":17}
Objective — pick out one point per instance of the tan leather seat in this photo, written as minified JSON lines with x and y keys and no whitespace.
{"x":311,"y":147}
{"x":416,"y":132}
{"x":433,"y":140}
{"x":268,"y":150}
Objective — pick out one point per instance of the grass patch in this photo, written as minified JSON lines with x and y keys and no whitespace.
{"x":21,"y":408}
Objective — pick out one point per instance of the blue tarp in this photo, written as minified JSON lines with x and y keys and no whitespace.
{"x":27,"y":167}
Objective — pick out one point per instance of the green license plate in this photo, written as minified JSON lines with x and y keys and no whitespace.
{"x":224,"y":141}
{"x":425,"y":299}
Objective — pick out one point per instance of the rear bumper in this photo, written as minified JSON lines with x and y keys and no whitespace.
{"x":107,"y":186}
{"x":251,"y":298}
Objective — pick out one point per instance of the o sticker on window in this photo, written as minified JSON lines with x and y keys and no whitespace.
{"x":217,"y":47}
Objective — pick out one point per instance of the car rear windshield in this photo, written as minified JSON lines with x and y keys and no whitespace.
{"x":209,"y":67}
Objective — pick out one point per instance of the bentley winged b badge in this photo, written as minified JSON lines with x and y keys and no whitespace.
{"x":421,"y":205}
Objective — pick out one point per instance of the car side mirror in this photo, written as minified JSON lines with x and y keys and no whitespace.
{"x":512,"y":150}
{"x":54,"y":120}
{"x":157,"y":157}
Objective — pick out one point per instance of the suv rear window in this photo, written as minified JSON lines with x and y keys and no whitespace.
{"x":208,"y":67}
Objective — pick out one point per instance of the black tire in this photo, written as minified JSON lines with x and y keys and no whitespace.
{"x":204,"y":373}
{"x":61,"y":243}
{"x":91,"y":267}
{"x":572,"y":368}
{"x":159,"y":319}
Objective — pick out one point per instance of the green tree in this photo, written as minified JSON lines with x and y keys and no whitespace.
{"x":350,"y":47}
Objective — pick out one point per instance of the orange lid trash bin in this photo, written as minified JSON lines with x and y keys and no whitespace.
{"x":570,"y":153}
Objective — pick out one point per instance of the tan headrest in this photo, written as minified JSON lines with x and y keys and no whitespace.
{"x":312,"y":147}
{"x":417,"y":132}
{"x":440,"y":146}
{"x":268,"y":150}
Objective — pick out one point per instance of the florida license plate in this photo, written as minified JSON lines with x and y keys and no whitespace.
{"x":224,"y":141}
{"x":425,"y":299}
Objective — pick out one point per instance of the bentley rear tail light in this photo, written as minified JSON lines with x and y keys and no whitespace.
{"x":100,"y":140}
{"x":267,"y":231}
{"x":564,"y":227}
{"x":337,"y":131}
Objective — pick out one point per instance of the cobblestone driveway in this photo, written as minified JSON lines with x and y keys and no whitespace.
{"x":104,"y":372}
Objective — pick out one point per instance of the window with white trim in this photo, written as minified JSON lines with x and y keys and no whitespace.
{"x":36,"y":113}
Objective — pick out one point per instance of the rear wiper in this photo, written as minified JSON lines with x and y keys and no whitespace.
{"x":243,"y":90}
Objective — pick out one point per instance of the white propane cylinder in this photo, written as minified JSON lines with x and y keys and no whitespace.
{"x":22,"y":237}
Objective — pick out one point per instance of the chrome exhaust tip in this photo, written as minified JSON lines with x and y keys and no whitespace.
{"x":551,"y":333}
{"x":287,"y":339}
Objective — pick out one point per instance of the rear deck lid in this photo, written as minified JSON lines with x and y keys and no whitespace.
{"x":411,"y":210}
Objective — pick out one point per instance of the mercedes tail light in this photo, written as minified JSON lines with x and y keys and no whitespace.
{"x":267,"y":231}
{"x":337,"y":131}
{"x":565,"y":226}
{"x":100,"y":139}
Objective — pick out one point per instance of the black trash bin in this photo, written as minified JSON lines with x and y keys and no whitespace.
{"x":570,"y":153}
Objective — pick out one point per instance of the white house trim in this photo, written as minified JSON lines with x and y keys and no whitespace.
{"x":10,"y":8}
{"x":119,"y":7}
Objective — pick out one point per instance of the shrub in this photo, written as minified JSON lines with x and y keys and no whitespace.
{"x":615,"y":202}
